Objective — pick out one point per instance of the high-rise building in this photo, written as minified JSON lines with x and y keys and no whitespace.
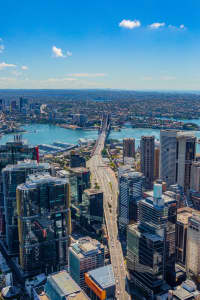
{"x":147,"y":148}
{"x":22,"y":103}
{"x":183,"y":214}
{"x":177,"y":154}
{"x":13,"y":105}
{"x":79,"y":181}
{"x":11,"y":153}
{"x":130,"y":193}
{"x":195,"y":176}
{"x":151,"y":243}
{"x":128,"y":147}
{"x":186,"y":150}
{"x":85,"y":255}
{"x":101,"y":283}
{"x":145,"y":260}
{"x":156,"y":163}
{"x":12,"y":176}
{"x":76,"y":160}
{"x":193,"y":246}
{"x":170,"y":205}
{"x":44,"y":227}
{"x":168,"y":155}
{"x":92,"y":206}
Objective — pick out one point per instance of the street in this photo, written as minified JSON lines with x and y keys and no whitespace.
{"x":107,"y":181}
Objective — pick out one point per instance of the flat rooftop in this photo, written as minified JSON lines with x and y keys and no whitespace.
{"x":167,"y":196}
{"x":92,"y":191}
{"x":183,"y":215}
{"x":86,"y":246}
{"x":103,"y":277}
{"x":79,"y":170}
{"x":64,"y":285}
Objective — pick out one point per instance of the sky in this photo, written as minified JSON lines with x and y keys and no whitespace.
{"x":130,"y":44}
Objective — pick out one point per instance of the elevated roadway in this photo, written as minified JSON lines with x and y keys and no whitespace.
{"x":106,"y":179}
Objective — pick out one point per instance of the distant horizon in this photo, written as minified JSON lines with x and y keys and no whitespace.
{"x":99,"y":89}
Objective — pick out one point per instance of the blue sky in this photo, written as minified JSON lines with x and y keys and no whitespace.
{"x":130,"y":44}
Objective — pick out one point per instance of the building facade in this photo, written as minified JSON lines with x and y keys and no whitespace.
{"x":130,"y":193}
{"x":151,"y":243}
{"x":12,"y":176}
{"x":178,"y":150}
{"x":129,"y":147}
{"x":101,"y":283}
{"x":147,"y":148}
{"x":11,"y":153}
{"x":85,"y":255}
{"x":79,"y":181}
{"x":43,"y":208}
{"x":193,"y":246}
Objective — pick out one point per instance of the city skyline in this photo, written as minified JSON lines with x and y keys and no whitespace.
{"x":145,"y":46}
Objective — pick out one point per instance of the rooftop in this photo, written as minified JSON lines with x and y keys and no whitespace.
{"x":103,"y":276}
{"x":92,"y":191}
{"x":167,"y":196}
{"x":86,"y":246}
{"x":64,"y":285}
{"x":38,"y":179}
{"x":79,"y":170}
{"x":27,"y":164}
{"x":183,"y":214}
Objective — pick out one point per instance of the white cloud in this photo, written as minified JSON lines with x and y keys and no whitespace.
{"x":130,"y":24}
{"x":58,"y":52}
{"x":182,"y":26}
{"x":88,"y":75}
{"x":4,"y":65}
{"x":156,"y":25}
{"x":24,"y":68}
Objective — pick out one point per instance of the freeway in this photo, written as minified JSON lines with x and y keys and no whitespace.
{"x":107,"y":180}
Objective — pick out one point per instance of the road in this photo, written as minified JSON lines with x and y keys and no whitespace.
{"x":107,"y":181}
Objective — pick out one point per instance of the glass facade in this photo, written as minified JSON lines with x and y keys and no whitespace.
{"x":43,"y":206}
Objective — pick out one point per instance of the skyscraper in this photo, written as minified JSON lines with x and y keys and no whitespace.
{"x":22,"y":103}
{"x":43,"y":207}
{"x":183,"y":215}
{"x":79,"y":181}
{"x":11,"y":153}
{"x":193,"y":246}
{"x":130,"y":192}
{"x":156,"y":163}
{"x":186,"y":151}
{"x":168,"y":155}
{"x":128,"y":147}
{"x":195,"y":176}
{"x":178,"y":151}
{"x":147,"y":146}
{"x":151,"y":243}
{"x":92,"y":206}
{"x":13,"y":175}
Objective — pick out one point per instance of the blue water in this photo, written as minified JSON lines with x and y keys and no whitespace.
{"x":47,"y":134}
